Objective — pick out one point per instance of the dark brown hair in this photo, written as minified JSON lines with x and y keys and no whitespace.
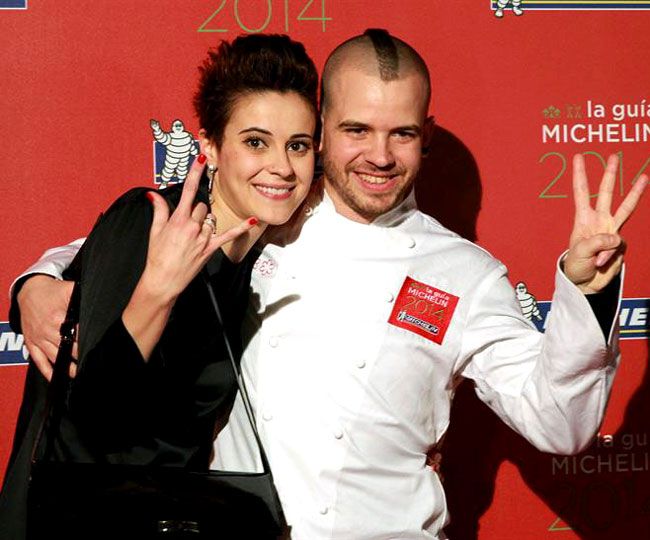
{"x":251,"y":64}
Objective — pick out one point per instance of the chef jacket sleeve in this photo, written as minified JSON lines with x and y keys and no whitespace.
{"x":550,"y":387}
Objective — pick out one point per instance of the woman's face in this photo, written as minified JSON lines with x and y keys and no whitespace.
{"x":266,"y":160}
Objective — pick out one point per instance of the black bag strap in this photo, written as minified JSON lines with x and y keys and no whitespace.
{"x":60,"y":377}
{"x":238,"y":375}
{"x":203,"y":196}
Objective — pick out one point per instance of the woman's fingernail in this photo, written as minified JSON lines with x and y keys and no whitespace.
{"x":201,"y":158}
{"x":149,"y":196}
{"x":253,"y":221}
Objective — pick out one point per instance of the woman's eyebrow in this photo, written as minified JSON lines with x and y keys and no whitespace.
{"x":258,"y":129}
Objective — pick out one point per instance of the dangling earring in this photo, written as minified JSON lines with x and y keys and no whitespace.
{"x":212,"y":169}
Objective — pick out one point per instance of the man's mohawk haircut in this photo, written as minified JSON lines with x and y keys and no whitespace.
{"x":386,"y":52}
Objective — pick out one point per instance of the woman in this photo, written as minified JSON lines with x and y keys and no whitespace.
{"x":153,"y":375}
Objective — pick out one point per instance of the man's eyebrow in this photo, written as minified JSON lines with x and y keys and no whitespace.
{"x":352,"y":124}
{"x":413,"y":127}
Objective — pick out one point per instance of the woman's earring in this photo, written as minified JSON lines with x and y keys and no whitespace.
{"x":212,"y":169}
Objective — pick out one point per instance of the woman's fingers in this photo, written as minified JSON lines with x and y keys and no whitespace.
{"x":160,"y":212}
{"x":191,"y":186}
{"x":219,"y":240}
{"x":209,"y":227}
{"x":199,"y":212}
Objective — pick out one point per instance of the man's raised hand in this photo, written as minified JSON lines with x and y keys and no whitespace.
{"x":595,"y":247}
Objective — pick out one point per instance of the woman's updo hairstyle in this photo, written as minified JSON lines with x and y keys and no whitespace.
{"x":250,"y":64}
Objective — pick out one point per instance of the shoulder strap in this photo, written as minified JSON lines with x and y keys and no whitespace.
{"x":57,"y":388}
{"x":238,"y":376}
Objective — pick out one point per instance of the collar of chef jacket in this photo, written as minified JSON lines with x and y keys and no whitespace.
{"x":392,"y":218}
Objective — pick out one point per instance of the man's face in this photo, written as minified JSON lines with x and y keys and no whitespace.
{"x":373,"y":133}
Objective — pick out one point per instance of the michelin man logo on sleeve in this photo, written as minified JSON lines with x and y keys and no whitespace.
{"x":179,"y":146}
{"x":527,"y":302}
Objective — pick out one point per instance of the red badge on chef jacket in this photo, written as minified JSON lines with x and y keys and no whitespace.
{"x":423,"y":309}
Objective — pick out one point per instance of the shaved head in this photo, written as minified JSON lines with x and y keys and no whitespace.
{"x":375,"y":53}
{"x":374,"y":101}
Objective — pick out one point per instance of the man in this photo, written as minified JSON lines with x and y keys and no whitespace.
{"x":365,"y":314}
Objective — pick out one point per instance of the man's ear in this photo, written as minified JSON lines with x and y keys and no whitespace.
{"x":322,"y":129}
{"x":427,"y":134}
{"x":208,"y":148}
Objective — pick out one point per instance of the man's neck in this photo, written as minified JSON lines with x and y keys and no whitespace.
{"x":341,"y":206}
{"x":347,"y":212}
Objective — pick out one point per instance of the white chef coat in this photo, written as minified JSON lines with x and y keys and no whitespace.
{"x":347,"y":405}
{"x":52,"y":263}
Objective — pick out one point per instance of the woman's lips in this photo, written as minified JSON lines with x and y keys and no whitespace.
{"x":273,"y":192}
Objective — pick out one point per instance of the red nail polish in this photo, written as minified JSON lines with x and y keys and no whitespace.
{"x":201,"y":158}
{"x":253,"y":221}
{"x":149,"y":196}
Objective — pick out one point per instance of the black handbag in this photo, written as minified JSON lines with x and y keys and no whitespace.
{"x":74,"y":500}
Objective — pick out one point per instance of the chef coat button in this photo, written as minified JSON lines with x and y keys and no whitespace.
{"x":324,"y":510}
{"x":338,"y":433}
{"x":410,"y":242}
{"x":361,"y":363}
{"x":389,"y":297}
{"x":267,"y":416}
{"x":274,"y":341}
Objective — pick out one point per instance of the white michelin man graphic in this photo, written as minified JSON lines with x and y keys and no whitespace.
{"x":527,"y":302}
{"x":179,"y":145}
{"x":501,"y":6}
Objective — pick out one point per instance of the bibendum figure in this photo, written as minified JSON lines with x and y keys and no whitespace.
{"x":179,"y":146}
{"x":501,"y":6}
{"x":527,"y":302}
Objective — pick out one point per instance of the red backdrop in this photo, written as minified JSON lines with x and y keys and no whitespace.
{"x":514,"y":98}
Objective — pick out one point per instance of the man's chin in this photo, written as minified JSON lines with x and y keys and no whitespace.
{"x":374,"y":209}
{"x":367,"y":205}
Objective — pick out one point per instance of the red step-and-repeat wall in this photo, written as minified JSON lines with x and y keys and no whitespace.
{"x":514,"y":98}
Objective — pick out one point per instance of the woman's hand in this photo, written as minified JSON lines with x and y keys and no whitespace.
{"x":179,"y":246}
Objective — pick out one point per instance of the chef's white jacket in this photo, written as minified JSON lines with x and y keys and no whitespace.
{"x":348,"y":404}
